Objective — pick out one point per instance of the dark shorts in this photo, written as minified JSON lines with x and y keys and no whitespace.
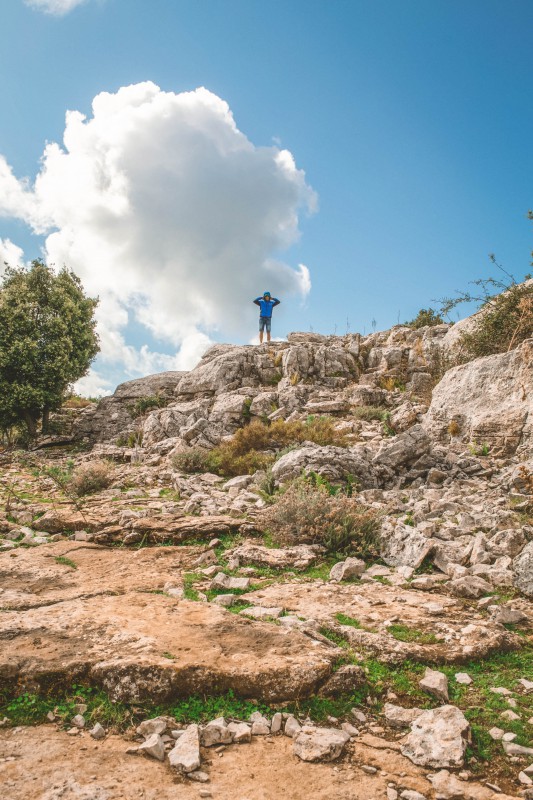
{"x":265,"y":323}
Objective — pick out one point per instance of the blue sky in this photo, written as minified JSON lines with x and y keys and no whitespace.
{"x":412,"y":121}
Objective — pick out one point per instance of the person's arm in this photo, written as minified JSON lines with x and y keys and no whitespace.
{"x":256,"y":301}
{"x":276,"y":301}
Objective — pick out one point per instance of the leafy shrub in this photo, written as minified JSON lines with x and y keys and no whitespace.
{"x":369,"y":413}
{"x":425,"y":317}
{"x":77,"y":401}
{"x":255,"y":446}
{"x":144,"y":404}
{"x":91,"y":478}
{"x":307,"y":514}
{"x":195,"y":459}
{"x":225,"y":461}
{"x":503,"y":323}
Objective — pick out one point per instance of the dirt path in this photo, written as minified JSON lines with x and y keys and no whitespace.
{"x":50,"y":765}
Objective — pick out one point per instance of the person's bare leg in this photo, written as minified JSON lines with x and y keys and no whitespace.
{"x":260,"y":337}
{"x":268,"y":337}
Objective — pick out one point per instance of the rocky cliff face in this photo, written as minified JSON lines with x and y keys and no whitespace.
{"x":308,"y":374}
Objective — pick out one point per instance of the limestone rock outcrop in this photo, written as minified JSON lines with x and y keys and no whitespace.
{"x":489,"y":401}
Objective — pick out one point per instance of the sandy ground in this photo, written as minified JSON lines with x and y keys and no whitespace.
{"x":44,"y":763}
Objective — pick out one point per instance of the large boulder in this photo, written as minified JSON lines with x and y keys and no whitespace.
{"x":438,"y":738}
{"x":403,"y":449}
{"x":333,"y":463}
{"x":321,"y":744}
{"x":488,"y":400}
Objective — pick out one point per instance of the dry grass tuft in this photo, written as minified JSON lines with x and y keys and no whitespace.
{"x":309,"y":514}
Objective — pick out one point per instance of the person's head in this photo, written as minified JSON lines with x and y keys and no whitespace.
{"x":266,"y":295}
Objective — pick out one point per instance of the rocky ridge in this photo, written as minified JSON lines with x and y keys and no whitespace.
{"x":162,"y":586}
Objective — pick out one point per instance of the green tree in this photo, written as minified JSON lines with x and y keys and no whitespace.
{"x":47,"y":341}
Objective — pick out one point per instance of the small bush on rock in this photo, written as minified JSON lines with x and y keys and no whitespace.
{"x":505,"y":322}
{"x":195,"y":459}
{"x":255,"y":446}
{"x":425,"y":317}
{"x":91,"y":478}
{"x":307,"y":514}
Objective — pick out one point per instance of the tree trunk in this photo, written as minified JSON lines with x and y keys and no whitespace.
{"x":31,"y":423}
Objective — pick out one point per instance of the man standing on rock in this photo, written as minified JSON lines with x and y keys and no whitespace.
{"x":266,"y":304}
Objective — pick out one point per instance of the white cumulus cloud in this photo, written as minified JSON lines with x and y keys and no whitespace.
{"x":169,"y":213}
{"x":10,"y":254}
{"x":56,"y":7}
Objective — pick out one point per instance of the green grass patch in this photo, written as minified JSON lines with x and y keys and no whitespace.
{"x":405,"y":634}
{"x":68,"y":562}
{"x":344,"y":619}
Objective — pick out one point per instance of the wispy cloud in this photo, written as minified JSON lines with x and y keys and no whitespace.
{"x":58,"y":8}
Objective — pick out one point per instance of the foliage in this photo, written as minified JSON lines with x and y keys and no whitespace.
{"x":369,"y":413}
{"x":344,"y":619}
{"x":144,"y":404}
{"x":505,"y":316}
{"x":47,"y":341}
{"x":90,"y":478}
{"x":307,"y":513}
{"x":131,"y":439}
{"x":254,"y":446}
{"x":502,"y":324}
{"x":425,"y":317}
{"x":194,"y":459}
{"x":405,"y":634}
{"x":67,"y":562}
{"x":77,"y":401}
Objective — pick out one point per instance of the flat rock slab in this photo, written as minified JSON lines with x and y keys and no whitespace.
{"x":374,"y":605}
{"x":33,"y":578}
{"x":139,"y":646}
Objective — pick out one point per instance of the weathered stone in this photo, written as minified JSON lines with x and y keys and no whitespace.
{"x":323,"y":744}
{"x":259,"y":612}
{"x":411,"y":794}
{"x":292,"y":727}
{"x":344,"y":570}
{"x":398,"y":717}
{"x":260,"y":724}
{"x":438,"y":738}
{"x":223,"y":581}
{"x":299,"y":557}
{"x":404,"y":546}
{"x":513,"y":749}
{"x":436,"y":684}
{"x":447,"y":786}
{"x":154,"y":747}
{"x":78,"y":721}
{"x":469,"y":586}
{"x":523,"y":570}
{"x":215,"y":732}
{"x":344,"y":681}
{"x":150,"y":726}
{"x":485,"y":397}
{"x":185,"y":755}
{"x":333,"y":463}
{"x":463,"y":678}
{"x":403,"y":449}
{"x":240,"y":731}
{"x":97,"y":732}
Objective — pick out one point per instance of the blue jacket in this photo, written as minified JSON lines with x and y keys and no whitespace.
{"x":266,"y":306}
